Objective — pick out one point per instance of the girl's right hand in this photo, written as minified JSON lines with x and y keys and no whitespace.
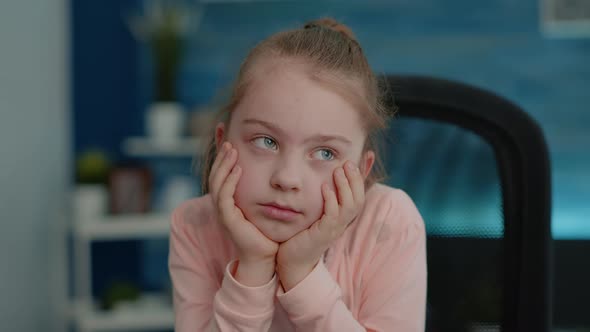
{"x":253,"y":247}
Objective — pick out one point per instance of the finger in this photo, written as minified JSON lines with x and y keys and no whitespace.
{"x":356,"y":181}
{"x":330,"y":201}
{"x":327,"y":224}
{"x":224,"y":169}
{"x":343,"y":187}
{"x":226,"y":192}
{"x":218,"y":159}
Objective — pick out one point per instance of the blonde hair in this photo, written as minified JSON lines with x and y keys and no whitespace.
{"x":332,"y":55}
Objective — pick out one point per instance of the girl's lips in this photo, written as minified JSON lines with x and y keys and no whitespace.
{"x":278,"y":213}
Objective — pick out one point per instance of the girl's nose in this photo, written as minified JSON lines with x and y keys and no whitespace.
{"x":287,"y":177}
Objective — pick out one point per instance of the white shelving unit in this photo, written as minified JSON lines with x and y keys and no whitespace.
{"x":141,"y":318}
{"x":86,"y":316}
{"x":135,"y":226}
{"x":154,"y":312}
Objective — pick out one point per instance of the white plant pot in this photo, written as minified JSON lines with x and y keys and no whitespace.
{"x":165,"y":122}
{"x":89,"y":202}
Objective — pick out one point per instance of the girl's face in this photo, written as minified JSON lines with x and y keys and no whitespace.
{"x":291,"y":133}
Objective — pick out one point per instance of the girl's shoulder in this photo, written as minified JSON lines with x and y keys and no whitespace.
{"x":388,"y":213}
{"x":194,"y":212}
{"x":196,"y":239}
{"x":196,"y":219}
{"x":391,"y":203}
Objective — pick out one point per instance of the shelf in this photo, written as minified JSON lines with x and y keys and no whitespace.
{"x":147,"y":147}
{"x":122,"y":227}
{"x":565,"y":19}
{"x":155,"y":317}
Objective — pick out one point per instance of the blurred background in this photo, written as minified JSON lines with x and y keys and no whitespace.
{"x":104,"y":104}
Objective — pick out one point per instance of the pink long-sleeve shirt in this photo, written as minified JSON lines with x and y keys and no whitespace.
{"x":372,"y":279}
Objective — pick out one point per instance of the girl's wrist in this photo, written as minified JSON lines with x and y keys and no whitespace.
{"x":290,"y":277}
{"x":254,"y":273}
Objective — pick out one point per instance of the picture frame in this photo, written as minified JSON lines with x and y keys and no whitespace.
{"x":130,"y":189}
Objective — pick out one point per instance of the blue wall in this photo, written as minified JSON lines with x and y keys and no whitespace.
{"x":105,"y":89}
{"x":496,"y":45}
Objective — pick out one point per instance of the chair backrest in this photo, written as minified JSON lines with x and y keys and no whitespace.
{"x":477,"y":167}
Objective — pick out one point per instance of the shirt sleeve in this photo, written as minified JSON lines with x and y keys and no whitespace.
{"x":394,"y":284}
{"x":200,"y":303}
{"x":393,"y":294}
{"x":315,"y":304}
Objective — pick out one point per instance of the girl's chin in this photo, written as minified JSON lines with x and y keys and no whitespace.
{"x":275,"y":230}
{"x":278,"y":235}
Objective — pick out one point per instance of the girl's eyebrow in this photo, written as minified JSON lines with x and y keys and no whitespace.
{"x":315,"y":138}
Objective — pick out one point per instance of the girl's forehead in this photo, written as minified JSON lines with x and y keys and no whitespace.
{"x":298,"y":105}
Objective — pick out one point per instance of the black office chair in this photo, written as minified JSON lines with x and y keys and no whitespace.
{"x":477,"y":167}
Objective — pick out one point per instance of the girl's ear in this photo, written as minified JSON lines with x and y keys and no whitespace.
{"x":219,"y":135}
{"x":366,"y":164}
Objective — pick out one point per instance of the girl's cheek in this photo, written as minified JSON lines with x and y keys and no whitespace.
{"x":327,"y":176}
{"x":252,"y":169}
{"x":321,"y":170}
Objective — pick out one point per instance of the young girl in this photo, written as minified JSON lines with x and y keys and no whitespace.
{"x":294,"y":232}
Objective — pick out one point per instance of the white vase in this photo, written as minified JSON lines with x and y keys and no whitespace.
{"x":165,"y":123}
{"x":176,"y":190}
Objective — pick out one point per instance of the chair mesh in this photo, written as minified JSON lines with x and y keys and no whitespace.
{"x":451,"y":175}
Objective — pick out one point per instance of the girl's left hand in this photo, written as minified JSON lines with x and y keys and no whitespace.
{"x":298,"y":256}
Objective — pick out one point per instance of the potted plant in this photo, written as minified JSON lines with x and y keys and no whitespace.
{"x":90,"y":195}
{"x":163,"y":27}
{"x":118,"y":293}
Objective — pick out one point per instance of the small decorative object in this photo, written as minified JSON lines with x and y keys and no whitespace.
{"x":130,"y":189}
{"x":90,"y":195}
{"x":165,"y":123}
{"x":177,"y":190}
{"x":163,"y":26}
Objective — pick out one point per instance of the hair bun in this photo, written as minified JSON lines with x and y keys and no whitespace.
{"x":332,"y":24}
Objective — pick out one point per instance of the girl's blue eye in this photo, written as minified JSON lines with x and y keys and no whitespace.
{"x":324,"y":154}
{"x":265,"y":143}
